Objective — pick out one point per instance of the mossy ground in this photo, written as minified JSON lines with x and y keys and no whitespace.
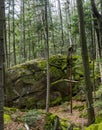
{"x":7,"y":118}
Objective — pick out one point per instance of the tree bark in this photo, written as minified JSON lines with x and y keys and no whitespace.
{"x":2,"y":30}
{"x":14,"y":47}
{"x":88,"y":84}
{"x":98,"y":16}
{"x":61,"y":22}
{"x":47,"y":57}
{"x":98,"y":28}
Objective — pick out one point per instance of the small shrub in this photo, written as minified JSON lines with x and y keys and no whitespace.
{"x":31,"y":117}
{"x":49,"y":121}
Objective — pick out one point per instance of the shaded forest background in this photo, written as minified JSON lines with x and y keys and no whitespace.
{"x":42,"y":28}
{"x":26,"y":36}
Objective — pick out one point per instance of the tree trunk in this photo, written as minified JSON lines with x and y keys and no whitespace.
{"x":98,"y":28}
{"x":2,"y":27}
{"x":23,"y":22}
{"x":61,"y":22}
{"x":52,"y":31}
{"x":9,"y":35}
{"x":98,"y":16}
{"x":88,"y":84}
{"x":14,"y":49}
{"x":47,"y":57}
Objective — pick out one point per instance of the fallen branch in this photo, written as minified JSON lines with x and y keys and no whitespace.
{"x":63,"y":80}
{"x":26,"y":126}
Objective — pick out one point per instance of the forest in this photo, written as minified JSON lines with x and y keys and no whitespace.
{"x":50,"y":64}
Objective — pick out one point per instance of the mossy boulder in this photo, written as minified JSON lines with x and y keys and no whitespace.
{"x":26,"y":83}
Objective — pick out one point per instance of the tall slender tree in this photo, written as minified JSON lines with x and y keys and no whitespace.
{"x":61,"y":24}
{"x":88,"y":84}
{"x":2,"y":27}
{"x":98,"y":27}
{"x":9,"y":34}
{"x":47,"y":56}
{"x":14,"y":47}
{"x":98,"y":16}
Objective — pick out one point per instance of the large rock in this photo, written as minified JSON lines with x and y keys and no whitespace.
{"x":26,"y":83}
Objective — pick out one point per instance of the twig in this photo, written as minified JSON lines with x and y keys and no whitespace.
{"x":26,"y":126}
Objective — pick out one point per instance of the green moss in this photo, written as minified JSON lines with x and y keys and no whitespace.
{"x":7,"y":118}
{"x":64,"y":125}
{"x":93,"y":127}
{"x":56,"y":73}
{"x":8,"y":110}
{"x":100,"y":126}
{"x":27,"y":79}
{"x":49,"y":121}
{"x":33,"y":73}
{"x":58,"y":60}
{"x":97,"y":126}
{"x":98,"y":118}
{"x":42,"y":64}
{"x":52,"y":117}
{"x":38,"y":76}
{"x":56,"y":101}
{"x":31,"y":102}
{"x":76,"y":129}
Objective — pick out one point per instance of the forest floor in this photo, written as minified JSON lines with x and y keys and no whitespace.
{"x":62,"y":111}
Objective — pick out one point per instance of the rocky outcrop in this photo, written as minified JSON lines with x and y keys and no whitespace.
{"x":26,"y":83}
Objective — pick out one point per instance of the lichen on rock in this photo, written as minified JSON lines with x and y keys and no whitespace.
{"x":26,"y":83}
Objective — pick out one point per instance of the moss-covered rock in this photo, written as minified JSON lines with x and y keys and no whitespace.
{"x":26,"y":83}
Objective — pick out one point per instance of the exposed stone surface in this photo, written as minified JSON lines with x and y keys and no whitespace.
{"x":26,"y":83}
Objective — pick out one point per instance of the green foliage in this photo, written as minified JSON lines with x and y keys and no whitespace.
{"x":98,"y":119}
{"x":79,"y":107}
{"x":7,"y":118}
{"x":83,"y":114}
{"x":95,"y":127}
{"x":42,"y":64}
{"x":98,"y":103}
{"x":64,"y":125}
{"x":31,"y":117}
{"x":56,"y":101}
{"x":76,"y":128}
{"x":10,"y":111}
{"x":49,"y":121}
